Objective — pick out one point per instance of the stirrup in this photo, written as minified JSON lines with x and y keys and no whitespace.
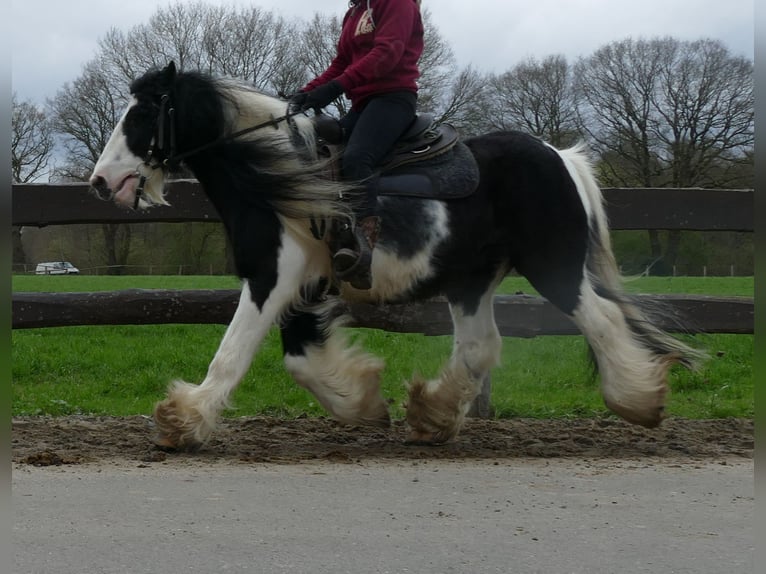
{"x":353,"y":266}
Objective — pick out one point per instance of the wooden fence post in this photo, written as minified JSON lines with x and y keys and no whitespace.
{"x":481,"y":408}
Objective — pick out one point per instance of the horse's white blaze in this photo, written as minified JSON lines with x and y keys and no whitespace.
{"x":120,"y":168}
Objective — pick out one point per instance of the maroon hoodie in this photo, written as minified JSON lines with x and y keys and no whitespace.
{"x":378,"y":50}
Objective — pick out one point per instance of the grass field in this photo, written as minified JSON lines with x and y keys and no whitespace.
{"x":124,"y":370}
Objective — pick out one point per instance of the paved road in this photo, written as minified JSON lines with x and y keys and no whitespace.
{"x":519,"y":516}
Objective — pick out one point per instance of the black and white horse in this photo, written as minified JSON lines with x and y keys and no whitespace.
{"x":537,"y":210}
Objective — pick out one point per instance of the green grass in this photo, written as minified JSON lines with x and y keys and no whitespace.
{"x":77,"y":283}
{"x":124,"y":370}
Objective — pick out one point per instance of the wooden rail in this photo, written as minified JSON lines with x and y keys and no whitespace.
{"x":516,"y":315}
{"x":38,"y":205}
{"x":519,"y":316}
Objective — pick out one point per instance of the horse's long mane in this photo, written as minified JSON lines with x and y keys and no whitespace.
{"x":275,"y":166}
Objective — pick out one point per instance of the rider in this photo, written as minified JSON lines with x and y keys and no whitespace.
{"x":376,"y":66}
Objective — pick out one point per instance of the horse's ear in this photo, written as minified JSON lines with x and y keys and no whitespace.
{"x":170,"y":71}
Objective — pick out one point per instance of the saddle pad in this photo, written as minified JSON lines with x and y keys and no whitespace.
{"x":452,"y":175}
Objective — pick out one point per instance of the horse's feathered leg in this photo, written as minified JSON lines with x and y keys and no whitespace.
{"x":436,"y":409}
{"x":633,"y":356}
{"x":187,"y":417}
{"x":344,"y":379}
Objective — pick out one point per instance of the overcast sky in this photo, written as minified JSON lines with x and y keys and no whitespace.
{"x":52,"y":39}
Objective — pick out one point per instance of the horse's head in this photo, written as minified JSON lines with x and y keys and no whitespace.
{"x":131,"y":168}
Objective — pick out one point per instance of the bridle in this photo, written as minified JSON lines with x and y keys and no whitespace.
{"x":166,"y":113}
{"x":166,"y":123}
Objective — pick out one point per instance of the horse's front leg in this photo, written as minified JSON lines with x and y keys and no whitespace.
{"x":188,"y":416}
{"x":436,"y":409}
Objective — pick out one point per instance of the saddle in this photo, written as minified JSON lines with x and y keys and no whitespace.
{"x":428,"y":161}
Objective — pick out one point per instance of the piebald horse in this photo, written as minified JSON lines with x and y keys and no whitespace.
{"x":536,"y":209}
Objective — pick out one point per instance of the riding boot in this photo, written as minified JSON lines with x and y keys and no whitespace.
{"x":354,"y":266}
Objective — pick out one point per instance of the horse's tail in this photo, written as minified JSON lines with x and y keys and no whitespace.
{"x":605,"y":276}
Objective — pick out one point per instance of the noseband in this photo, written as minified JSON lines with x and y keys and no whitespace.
{"x":166,"y":123}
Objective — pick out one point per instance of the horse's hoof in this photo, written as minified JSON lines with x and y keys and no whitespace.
{"x":163,"y":443}
{"x":422,"y":438}
{"x":382,"y":421}
{"x":649,"y":419}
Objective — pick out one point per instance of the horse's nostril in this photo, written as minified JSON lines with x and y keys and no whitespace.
{"x":100,"y":187}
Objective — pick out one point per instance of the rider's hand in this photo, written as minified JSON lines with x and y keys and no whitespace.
{"x":297,"y":100}
{"x":316,"y":98}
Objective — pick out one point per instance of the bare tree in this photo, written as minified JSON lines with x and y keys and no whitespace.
{"x":706,"y":104}
{"x":176,"y":33}
{"x":667,"y":113}
{"x":464,"y":101}
{"x":319,"y":40}
{"x":32,"y":146}
{"x":116,"y":246}
{"x":85,"y":113}
{"x":31,"y":141}
{"x":437,"y":66}
{"x":617,"y":86}
{"x":316,"y":50}
{"x":250,"y":44}
{"x":537,"y":97}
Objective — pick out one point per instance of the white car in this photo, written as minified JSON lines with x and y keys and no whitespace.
{"x":56,"y":268}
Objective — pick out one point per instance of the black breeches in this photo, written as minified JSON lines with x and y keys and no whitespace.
{"x":373,"y":132}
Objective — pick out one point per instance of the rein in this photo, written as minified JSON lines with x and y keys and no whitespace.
{"x":274,"y":122}
{"x":168,"y":111}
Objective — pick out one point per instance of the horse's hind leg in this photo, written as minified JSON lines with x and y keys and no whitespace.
{"x":632,"y":356}
{"x":633,"y":375}
{"x":344,"y":379}
{"x":436,"y":409}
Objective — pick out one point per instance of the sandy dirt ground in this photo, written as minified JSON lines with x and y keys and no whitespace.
{"x":81,"y":440}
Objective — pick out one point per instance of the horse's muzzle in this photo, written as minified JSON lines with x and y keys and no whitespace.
{"x":100,"y":188}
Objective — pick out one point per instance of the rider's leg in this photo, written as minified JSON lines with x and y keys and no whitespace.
{"x":373,"y":133}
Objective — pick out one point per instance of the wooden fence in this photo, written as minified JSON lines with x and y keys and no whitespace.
{"x":40,"y":205}
{"x":517,"y":315}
